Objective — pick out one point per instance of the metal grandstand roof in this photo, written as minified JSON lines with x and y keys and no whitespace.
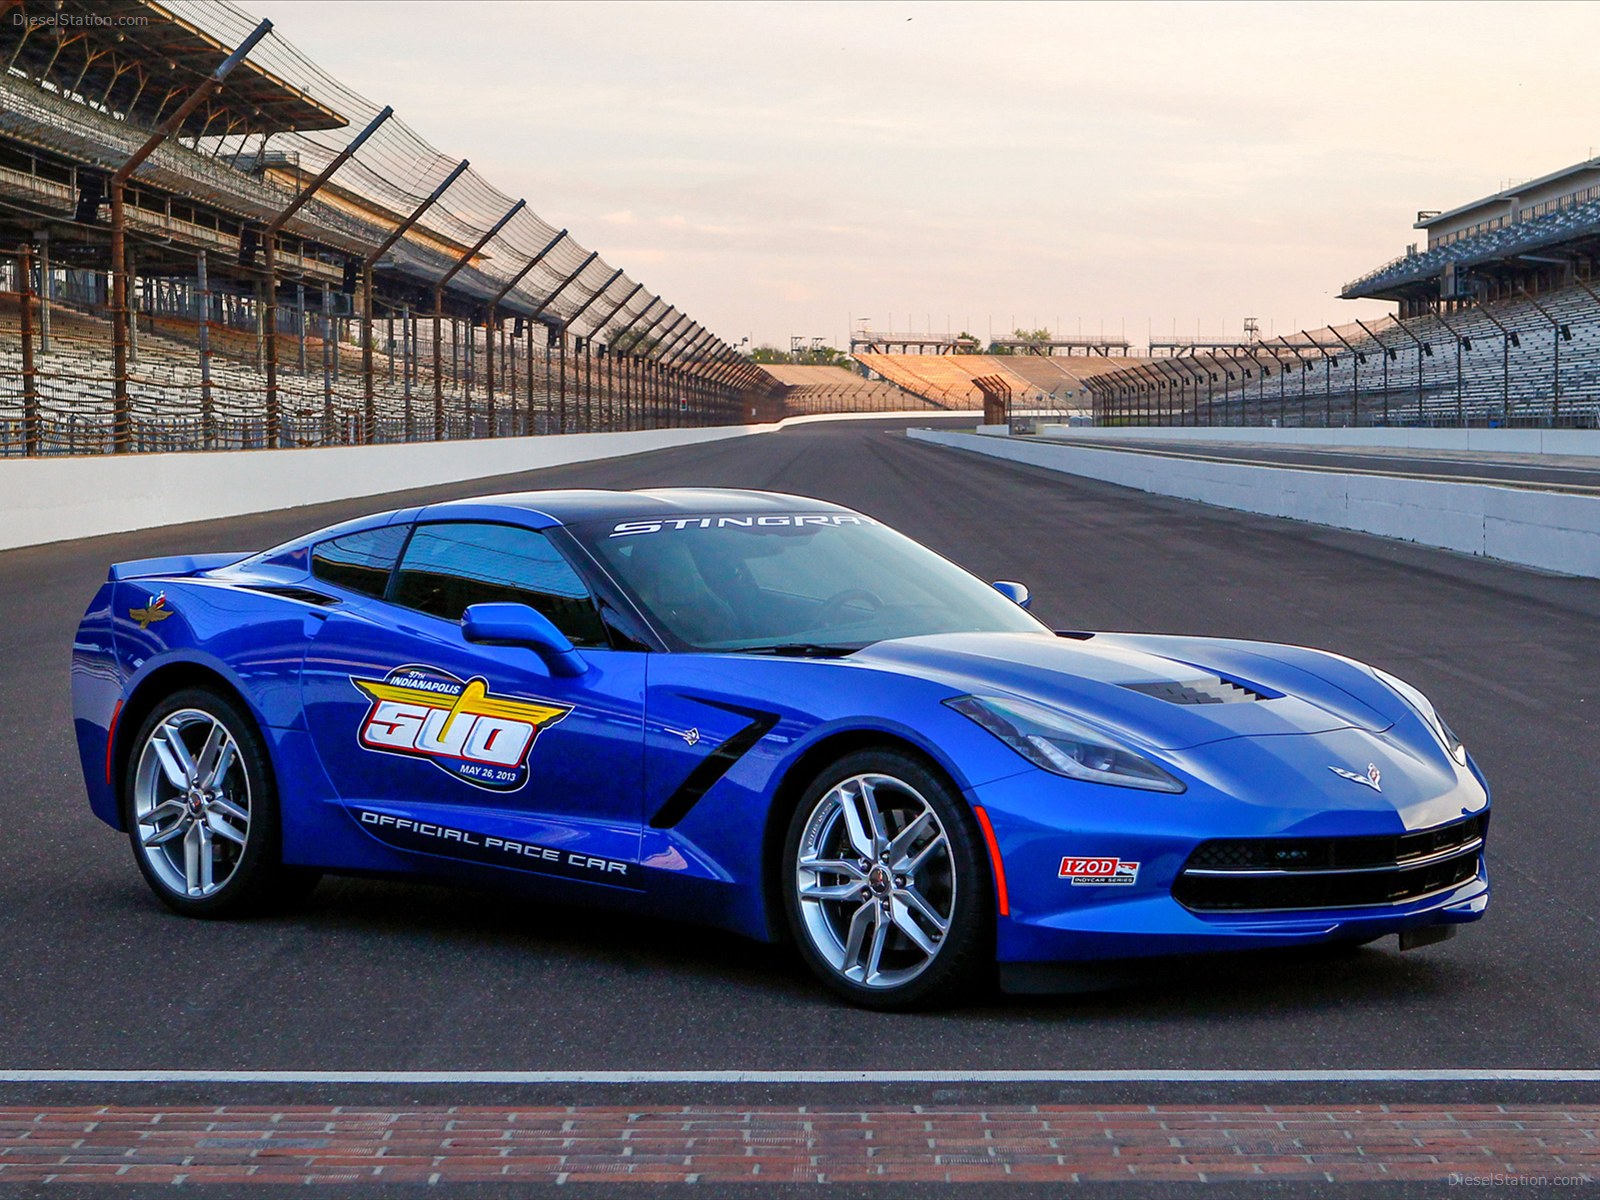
{"x":1587,"y":166}
{"x":90,"y":79}
{"x":1575,"y":227}
{"x":134,"y":56}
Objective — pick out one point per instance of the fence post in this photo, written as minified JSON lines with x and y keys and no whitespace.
{"x":405,"y":367}
{"x":1555,"y":377}
{"x":489,"y":348}
{"x":121,"y":414}
{"x":208,"y":416}
{"x":369,"y":403}
{"x":30,"y":376}
{"x":588,"y":384}
{"x":46,"y":291}
{"x":510,"y":340}
{"x":133,"y":305}
{"x":262,"y":301}
{"x":267,"y":326}
{"x":561,"y":402}
{"x":438,"y":365}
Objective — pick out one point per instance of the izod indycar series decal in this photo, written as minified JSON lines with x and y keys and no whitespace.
{"x":1100,"y":872}
{"x":458,"y":725}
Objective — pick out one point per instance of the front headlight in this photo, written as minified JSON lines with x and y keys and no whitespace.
{"x":1062,"y":745}
{"x":1430,"y":715}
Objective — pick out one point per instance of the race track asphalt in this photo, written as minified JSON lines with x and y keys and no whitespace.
{"x":382,"y":975}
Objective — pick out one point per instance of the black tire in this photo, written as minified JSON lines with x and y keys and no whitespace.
{"x":953,"y":883}
{"x":255,"y":880}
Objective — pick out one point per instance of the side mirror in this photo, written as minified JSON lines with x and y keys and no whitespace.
{"x":519,"y":625}
{"x":1017,"y":593}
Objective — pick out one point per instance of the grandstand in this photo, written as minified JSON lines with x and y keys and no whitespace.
{"x":207,"y":242}
{"x":1498,"y":324}
{"x":811,"y":389}
{"x":1531,"y":236}
{"x":1042,"y":387}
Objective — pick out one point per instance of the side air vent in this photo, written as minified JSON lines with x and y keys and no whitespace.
{"x":304,"y":595}
{"x":1197,"y":691}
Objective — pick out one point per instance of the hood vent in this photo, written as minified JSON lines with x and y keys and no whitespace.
{"x":1212,"y":690}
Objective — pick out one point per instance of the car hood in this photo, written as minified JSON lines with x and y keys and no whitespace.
{"x":1166,"y":693}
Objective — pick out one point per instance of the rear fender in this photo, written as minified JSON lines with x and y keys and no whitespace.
{"x":145,"y":638}
{"x":155,"y":681}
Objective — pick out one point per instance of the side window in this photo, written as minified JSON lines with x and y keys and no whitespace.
{"x":359,"y":561}
{"x":449,"y":566}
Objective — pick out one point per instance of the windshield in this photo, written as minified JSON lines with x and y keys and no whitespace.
{"x":793,"y":582}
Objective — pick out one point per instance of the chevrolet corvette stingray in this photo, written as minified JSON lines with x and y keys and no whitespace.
{"x":766,"y":713}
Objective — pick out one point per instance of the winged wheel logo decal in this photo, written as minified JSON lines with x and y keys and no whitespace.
{"x":156,"y":610}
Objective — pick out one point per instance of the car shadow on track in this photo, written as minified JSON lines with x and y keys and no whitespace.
{"x":463,"y":927}
{"x":1261,"y":982}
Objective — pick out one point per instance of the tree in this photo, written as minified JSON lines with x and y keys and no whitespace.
{"x":815,"y":356}
{"x":1035,"y":339}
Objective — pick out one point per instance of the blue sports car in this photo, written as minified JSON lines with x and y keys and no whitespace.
{"x":770,"y":714}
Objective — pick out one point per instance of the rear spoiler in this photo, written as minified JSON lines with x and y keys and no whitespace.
{"x":173,"y":564}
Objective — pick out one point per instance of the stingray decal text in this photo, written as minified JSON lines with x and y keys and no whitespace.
{"x":754,"y":523}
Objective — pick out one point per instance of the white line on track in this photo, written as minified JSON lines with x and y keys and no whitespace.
{"x":1399,"y":1075}
{"x":1502,"y":481}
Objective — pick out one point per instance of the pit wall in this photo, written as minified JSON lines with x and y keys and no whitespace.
{"x":59,"y":498}
{"x":1548,"y":530}
{"x":1505,"y":441}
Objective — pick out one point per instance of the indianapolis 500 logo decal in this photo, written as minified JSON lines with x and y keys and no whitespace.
{"x":457,"y":724}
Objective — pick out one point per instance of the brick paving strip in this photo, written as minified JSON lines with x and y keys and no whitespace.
{"x":691,"y":1143}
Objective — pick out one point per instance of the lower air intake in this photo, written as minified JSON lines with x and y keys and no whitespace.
{"x":1278,"y":874}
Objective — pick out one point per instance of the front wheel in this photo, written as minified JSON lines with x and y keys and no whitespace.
{"x":887,"y":895}
{"x":202,"y":811}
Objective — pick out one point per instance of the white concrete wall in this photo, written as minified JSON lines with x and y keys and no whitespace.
{"x":57,"y":498}
{"x":1549,"y":530}
{"x":1510,"y":441}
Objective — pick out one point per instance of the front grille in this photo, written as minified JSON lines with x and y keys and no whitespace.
{"x":1266,"y":874}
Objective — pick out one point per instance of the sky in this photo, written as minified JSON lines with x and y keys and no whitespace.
{"x":783,"y":169}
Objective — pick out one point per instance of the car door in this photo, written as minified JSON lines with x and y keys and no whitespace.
{"x":477,"y":753}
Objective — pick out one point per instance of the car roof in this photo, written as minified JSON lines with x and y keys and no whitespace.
{"x":595,"y":504}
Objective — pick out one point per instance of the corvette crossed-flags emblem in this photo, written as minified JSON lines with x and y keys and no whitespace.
{"x":1370,"y":779}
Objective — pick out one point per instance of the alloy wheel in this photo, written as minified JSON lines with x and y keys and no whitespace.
{"x":192,"y":803}
{"x":875,"y":881}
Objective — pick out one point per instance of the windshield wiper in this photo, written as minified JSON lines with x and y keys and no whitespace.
{"x":801,"y":650}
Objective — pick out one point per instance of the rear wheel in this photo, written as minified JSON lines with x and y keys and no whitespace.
{"x":886,"y":893}
{"x":202,"y":810}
